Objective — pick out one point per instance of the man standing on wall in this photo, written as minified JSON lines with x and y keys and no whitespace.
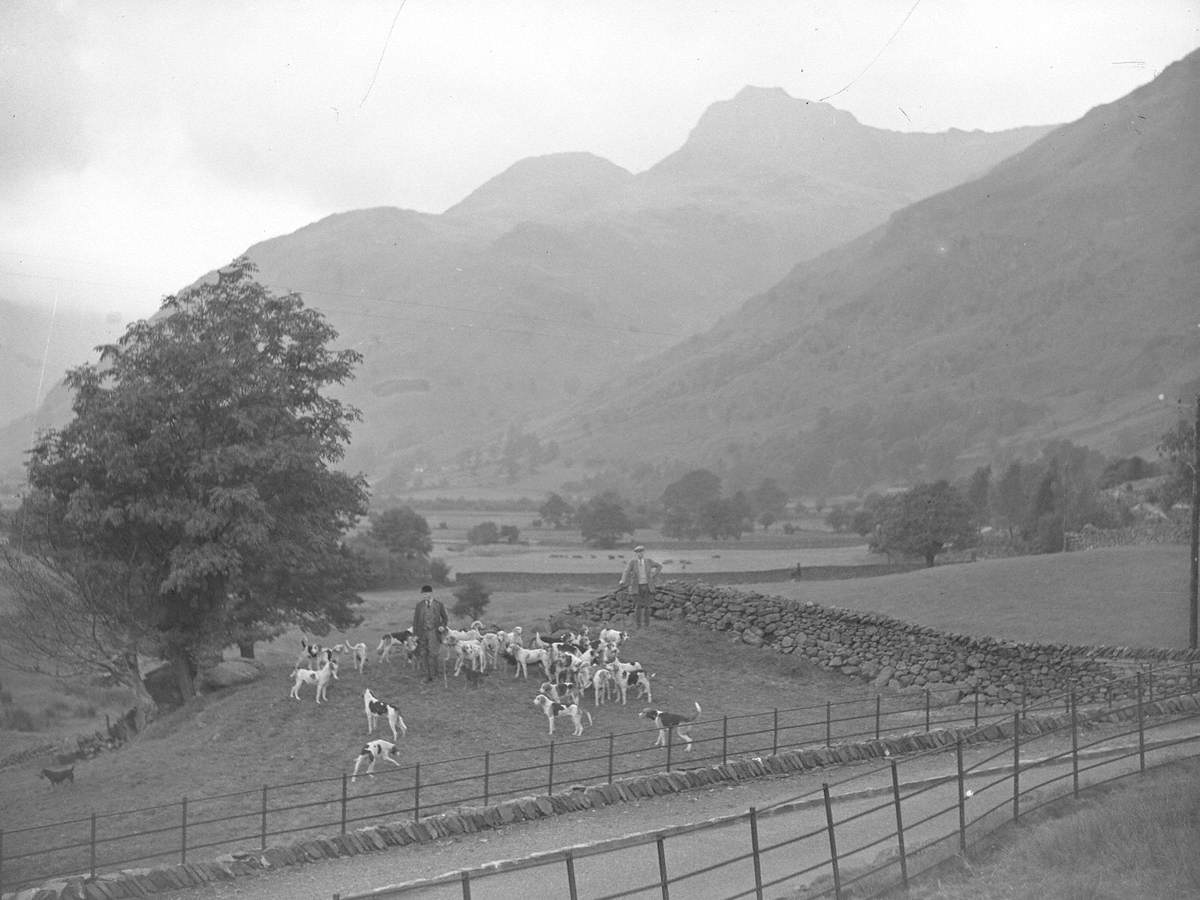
{"x":429,"y":624}
{"x":639,"y":577}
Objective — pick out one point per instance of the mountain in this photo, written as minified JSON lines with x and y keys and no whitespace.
{"x":563,"y":271}
{"x":1053,"y":297}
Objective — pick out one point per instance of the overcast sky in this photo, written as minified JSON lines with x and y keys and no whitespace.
{"x":146,"y":142}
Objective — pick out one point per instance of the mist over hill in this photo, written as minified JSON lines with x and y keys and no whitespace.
{"x":1053,"y":297}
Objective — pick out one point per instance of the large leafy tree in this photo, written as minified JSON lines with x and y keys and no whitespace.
{"x":556,"y":511}
{"x":687,"y":503}
{"x":403,"y":531}
{"x":602,"y":520}
{"x":192,"y":501}
{"x":924,"y":521}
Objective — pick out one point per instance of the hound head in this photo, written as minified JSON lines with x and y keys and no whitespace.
{"x":650,"y":713}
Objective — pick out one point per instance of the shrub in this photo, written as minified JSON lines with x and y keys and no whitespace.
{"x":471,"y":597}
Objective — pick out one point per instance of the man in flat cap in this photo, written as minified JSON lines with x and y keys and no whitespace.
{"x":639,"y":577}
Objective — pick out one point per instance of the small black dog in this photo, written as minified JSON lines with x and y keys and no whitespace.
{"x":58,"y":776}
{"x":474,"y":678}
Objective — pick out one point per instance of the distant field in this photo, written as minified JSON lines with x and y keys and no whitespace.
{"x":1123,"y":596}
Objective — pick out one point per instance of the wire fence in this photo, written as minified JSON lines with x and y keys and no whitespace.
{"x":203,"y":827}
{"x":851,"y":837}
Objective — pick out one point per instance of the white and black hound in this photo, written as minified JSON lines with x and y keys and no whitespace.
{"x":666,"y":721}
{"x":552,"y":710}
{"x":372,"y":752}
{"x":359,"y":652}
{"x":377,"y":709}
{"x":406,"y":639}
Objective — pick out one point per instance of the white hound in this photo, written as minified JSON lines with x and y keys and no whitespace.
{"x":321,"y":678}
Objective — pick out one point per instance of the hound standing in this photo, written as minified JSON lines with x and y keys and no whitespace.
{"x":377,"y":709}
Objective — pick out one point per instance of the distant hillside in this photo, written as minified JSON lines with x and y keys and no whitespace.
{"x":1055,"y":296}
{"x":563,"y":271}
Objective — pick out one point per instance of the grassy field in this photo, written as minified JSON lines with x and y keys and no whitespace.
{"x":254,"y":735}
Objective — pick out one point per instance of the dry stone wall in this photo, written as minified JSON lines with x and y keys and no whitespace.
{"x":1091,"y":538}
{"x":896,"y":655}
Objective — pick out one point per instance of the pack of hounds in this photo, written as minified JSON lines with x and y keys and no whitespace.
{"x":572,"y":664}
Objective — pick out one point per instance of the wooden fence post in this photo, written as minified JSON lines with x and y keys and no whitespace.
{"x":417,"y":795}
{"x":878,"y":711}
{"x":610,"y":757}
{"x":758,"y":882}
{"x":724,"y":739}
{"x":183,"y":835}
{"x":1141,"y":727}
{"x":962,"y":797}
{"x":775,"y":732}
{"x":926,"y":710}
{"x":487,"y":771}
{"x":344,"y":782}
{"x":572,"y":890}
{"x":263,"y":829}
{"x":550,"y":785}
{"x":92,"y":851}
{"x":1016,"y":765}
{"x":466,"y":885}
{"x":1074,"y":747}
{"x":828,"y":723}
{"x":833,"y":857}
{"x":670,"y":745}
{"x":662,"y":869}
{"x":976,"y":706}
{"x":899,"y":826}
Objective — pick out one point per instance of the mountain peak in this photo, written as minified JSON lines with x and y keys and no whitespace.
{"x":543,"y":187}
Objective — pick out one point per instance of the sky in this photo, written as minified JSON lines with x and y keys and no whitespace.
{"x":146,"y":142}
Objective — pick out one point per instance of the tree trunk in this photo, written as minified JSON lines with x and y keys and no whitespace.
{"x":146,"y":706}
{"x":185,"y":677}
{"x":246,"y":649}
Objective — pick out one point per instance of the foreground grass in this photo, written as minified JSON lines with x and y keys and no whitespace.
{"x":1140,"y":840}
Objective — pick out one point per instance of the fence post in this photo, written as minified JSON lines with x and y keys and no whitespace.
{"x":610,"y":757}
{"x":670,"y":745}
{"x":1074,"y":746}
{"x":899,"y":826}
{"x":828,"y":723}
{"x":775,"y":732}
{"x":263,"y":831}
{"x":466,"y":885}
{"x":977,"y":706}
{"x":962,"y":797}
{"x":572,"y":890}
{"x":92,"y":851}
{"x":662,"y":869}
{"x":550,"y":775}
{"x":487,"y":771}
{"x":1,"y":861}
{"x":833,"y":857}
{"x":343,"y":803}
{"x":926,"y":710}
{"x":724,"y":739}
{"x":183,"y":835}
{"x":1150,"y":680}
{"x":1016,"y":765}
{"x":758,"y":883}
{"x":878,"y":710}
{"x":1141,"y":727}
{"x":417,"y":795}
